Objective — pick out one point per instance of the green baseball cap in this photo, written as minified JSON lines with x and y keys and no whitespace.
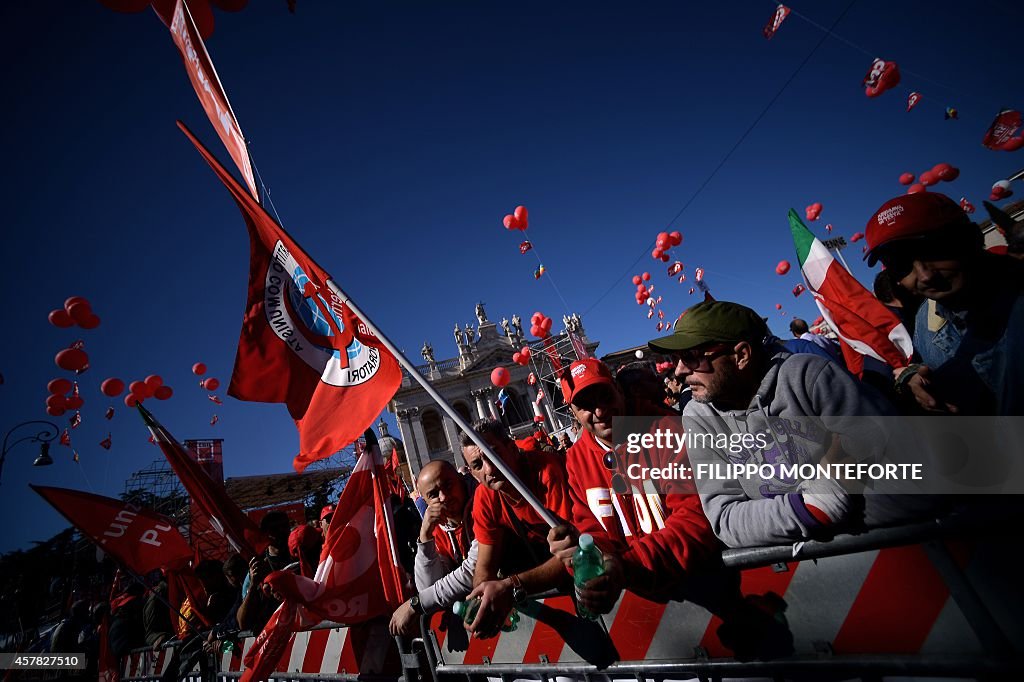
{"x":711,"y":322}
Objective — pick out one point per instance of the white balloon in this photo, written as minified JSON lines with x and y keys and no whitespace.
{"x":1005,"y":184}
{"x":639,"y":355}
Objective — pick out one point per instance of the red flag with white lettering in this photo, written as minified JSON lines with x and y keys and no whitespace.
{"x":358,"y":578}
{"x":210,"y":91}
{"x":140,"y":539}
{"x":227,"y":519}
{"x":300,"y":344}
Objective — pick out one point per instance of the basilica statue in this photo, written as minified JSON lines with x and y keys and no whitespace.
{"x":458,"y":335}
{"x":481,"y":316}
{"x":427,"y":352}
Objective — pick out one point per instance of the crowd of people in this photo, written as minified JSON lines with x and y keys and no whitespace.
{"x":473,"y":534}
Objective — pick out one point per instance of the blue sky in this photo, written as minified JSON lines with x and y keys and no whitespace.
{"x":394,"y":136}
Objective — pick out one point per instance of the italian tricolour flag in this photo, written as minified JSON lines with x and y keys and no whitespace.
{"x":863,"y":324}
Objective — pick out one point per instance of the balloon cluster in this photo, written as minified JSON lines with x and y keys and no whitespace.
{"x":1001,"y":190}
{"x":813,"y":211}
{"x":642,"y":292}
{"x":940,"y":172}
{"x":63,"y":396}
{"x":522,"y":356}
{"x":150,"y":387}
{"x":517,"y":220}
{"x":663,"y":243}
{"x":540,"y":325}
{"x":881,"y":76}
{"x":76,"y":310}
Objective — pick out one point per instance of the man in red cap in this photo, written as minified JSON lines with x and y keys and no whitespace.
{"x":970,"y":329}
{"x":657,"y":543}
{"x":326,"y":514}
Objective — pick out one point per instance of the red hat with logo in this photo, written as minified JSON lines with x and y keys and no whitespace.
{"x":912,"y":216}
{"x":583,"y":374}
{"x":329,"y":509}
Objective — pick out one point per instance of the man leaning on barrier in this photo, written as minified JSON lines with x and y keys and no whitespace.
{"x":791,"y":409}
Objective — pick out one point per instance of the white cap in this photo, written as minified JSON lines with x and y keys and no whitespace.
{"x":586,"y":540}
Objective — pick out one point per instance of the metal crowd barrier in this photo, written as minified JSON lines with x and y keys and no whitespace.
{"x":935,"y":600}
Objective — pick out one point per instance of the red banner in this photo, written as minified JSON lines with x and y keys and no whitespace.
{"x":140,"y":539}
{"x":781,"y":12}
{"x":225,"y":517}
{"x":1000,"y":135}
{"x":210,"y":91}
{"x":300,"y":343}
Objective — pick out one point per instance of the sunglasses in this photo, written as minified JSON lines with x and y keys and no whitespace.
{"x":700,"y":360}
{"x":611,"y":463}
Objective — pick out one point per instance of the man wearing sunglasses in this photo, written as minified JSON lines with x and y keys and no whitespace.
{"x":970,"y":328}
{"x":775,"y":408}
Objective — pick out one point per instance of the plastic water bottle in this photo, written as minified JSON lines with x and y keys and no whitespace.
{"x":467,"y":610}
{"x":587,"y":564}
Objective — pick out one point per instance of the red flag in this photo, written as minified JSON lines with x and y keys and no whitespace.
{"x":358,"y":578}
{"x":215,"y":400}
{"x":912,"y":100}
{"x":300,"y":344}
{"x":208,"y":495}
{"x":525,"y":246}
{"x":106,"y":442}
{"x":140,"y":539}
{"x":210,"y":91}
{"x":65,"y":438}
{"x":108,"y":668}
{"x":967,"y":206}
{"x":75,"y":420}
{"x":1000,"y":135}
{"x":110,"y":413}
{"x":391,"y":474}
{"x":781,"y":12}
{"x":74,"y":455}
{"x":214,"y":419}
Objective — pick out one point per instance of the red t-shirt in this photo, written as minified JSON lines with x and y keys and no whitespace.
{"x":660,"y":536}
{"x":544,"y":475}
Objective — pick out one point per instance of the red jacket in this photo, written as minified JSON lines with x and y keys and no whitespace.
{"x":659,"y":536}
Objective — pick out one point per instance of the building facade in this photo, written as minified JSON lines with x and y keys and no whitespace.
{"x":464,"y":381}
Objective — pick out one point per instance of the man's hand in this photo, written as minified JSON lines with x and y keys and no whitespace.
{"x":920,"y":386}
{"x":600,"y":594}
{"x":405,"y":621}
{"x":258,"y":570}
{"x":562,"y":542}
{"x":495,"y":604}
{"x":433,"y":516}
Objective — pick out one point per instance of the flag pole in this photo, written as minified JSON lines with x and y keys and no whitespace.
{"x":494,"y":459}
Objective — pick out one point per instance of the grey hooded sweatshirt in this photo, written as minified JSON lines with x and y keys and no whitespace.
{"x":802,"y":401}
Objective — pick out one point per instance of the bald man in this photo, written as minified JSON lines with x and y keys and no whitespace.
{"x":446,"y":550}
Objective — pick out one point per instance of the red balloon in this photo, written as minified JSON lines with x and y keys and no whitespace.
{"x":56,"y":400}
{"x":526,"y":352}
{"x":546,"y":324}
{"x":662,"y":240}
{"x":916,"y":187}
{"x":199,"y":369}
{"x":646,"y":277}
{"x":928,"y":178}
{"x":857,"y":236}
{"x":906,"y":178}
{"x":782,"y":268}
{"x":72,"y":359}
{"x":73,"y":300}
{"x":74,"y":402}
{"x":90,"y":322}
{"x":211,"y":384}
{"x":517,"y":358}
{"x":59,"y":387}
{"x":163,"y":392}
{"x":79,"y":311}
{"x":154,"y":381}
{"x":140,"y":390}
{"x":112,"y":387}
{"x":778,"y":306}
{"x":60,"y":318}
{"x":522,"y":216}
{"x":664,"y":258}
{"x":55,"y":411}
{"x":131,"y":400}
{"x":636,"y":280}
{"x":536,"y":317}
{"x":535,"y":330}
{"x":656,"y":254}
{"x":675,"y":238}
{"x":500,"y":377}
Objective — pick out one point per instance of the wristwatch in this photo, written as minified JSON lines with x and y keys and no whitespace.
{"x":519,"y":593}
{"x":414,"y":603}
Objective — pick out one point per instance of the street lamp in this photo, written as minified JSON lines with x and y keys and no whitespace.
{"x":43,"y":437}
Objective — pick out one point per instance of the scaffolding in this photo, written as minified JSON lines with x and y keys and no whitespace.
{"x":157,"y":488}
{"x":549,"y":358}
